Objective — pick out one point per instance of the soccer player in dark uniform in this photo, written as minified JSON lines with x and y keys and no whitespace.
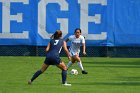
{"x":52,"y":57}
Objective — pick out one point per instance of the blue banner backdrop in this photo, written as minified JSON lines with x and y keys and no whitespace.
{"x":103,"y":22}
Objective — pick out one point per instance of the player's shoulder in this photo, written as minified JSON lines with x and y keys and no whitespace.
{"x":82,"y":37}
{"x":51,"y":40}
{"x":61,"y":39}
{"x":71,"y":36}
{"x":54,"y":40}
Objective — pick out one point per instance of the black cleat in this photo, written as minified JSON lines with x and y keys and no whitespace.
{"x":84,"y":72}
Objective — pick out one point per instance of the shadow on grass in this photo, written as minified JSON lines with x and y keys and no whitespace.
{"x":129,"y":79}
{"x":118,"y":83}
{"x":121,"y":81}
{"x":110,"y":83}
{"x":115,"y":64}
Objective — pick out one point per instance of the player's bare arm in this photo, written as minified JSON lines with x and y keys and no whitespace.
{"x":66,"y":50}
{"x":84,"y":48}
{"x":48,"y":47}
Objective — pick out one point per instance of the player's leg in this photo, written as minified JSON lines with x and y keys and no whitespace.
{"x":63,"y":67}
{"x":43,"y":68}
{"x":70,"y":63}
{"x":79,"y":63}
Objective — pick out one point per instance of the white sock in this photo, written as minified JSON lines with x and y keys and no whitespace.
{"x":80,"y":65}
{"x":69,"y":64}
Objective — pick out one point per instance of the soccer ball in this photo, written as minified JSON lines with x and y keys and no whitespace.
{"x":74,"y":72}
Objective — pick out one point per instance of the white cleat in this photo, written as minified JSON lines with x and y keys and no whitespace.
{"x":66,"y":84}
{"x":29,"y":82}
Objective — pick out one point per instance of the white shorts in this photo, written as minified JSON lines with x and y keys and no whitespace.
{"x":74,"y":53}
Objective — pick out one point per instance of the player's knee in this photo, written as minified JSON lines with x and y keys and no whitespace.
{"x":78,"y":59}
{"x":42,"y":70}
{"x":65,"y":68}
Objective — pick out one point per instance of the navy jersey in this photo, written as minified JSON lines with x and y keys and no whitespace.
{"x":55,"y":47}
{"x":52,"y":56}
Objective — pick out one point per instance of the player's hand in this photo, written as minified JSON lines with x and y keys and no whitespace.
{"x":69,"y":58}
{"x":84,"y":53}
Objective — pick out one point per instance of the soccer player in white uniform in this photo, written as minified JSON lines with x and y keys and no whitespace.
{"x":76,"y":41}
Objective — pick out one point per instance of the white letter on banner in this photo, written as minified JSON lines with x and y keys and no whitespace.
{"x":84,"y":19}
{"x":6,"y":18}
{"x":42,"y":17}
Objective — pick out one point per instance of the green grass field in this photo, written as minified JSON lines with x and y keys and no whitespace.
{"x":106,"y":75}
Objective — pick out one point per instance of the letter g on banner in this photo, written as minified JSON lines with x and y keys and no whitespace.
{"x":42,"y":18}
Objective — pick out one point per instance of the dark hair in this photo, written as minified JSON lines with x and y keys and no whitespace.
{"x":77,"y":29}
{"x":56,"y":35}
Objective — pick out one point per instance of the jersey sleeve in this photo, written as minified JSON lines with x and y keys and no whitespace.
{"x":70,"y":37}
{"x":50,"y":41}
{"x":83,"y":39}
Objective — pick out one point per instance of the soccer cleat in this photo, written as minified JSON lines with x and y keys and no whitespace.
{"x":84,"y":72}
{"x":66,"y":84}
{"x":29,"y":82}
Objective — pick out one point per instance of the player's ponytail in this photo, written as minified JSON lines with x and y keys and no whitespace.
{"x":57,"y":35}
{"x":52,"y":36}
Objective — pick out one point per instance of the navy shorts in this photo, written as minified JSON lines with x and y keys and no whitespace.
{"x":52,"y":61}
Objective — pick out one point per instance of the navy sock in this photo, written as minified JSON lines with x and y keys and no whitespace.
{"x":64,"y":76}
{"x":36,"y":75}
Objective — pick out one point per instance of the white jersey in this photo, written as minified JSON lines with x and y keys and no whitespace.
{"x":76,"y":43}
